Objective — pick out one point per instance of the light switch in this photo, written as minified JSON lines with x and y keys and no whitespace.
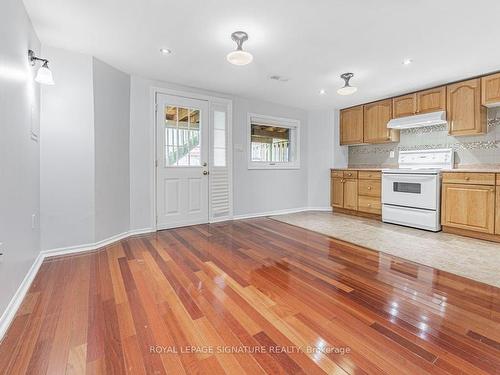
{"x":391,"y":154}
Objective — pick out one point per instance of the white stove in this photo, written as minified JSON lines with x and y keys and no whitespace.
{"x":411,"y":194}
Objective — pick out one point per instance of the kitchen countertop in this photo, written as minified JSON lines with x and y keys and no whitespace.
{"x":486,"y":168}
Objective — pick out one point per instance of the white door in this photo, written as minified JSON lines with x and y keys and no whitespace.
{"x":182,"y":161}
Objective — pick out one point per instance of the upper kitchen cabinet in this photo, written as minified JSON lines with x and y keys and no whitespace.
{"x":405,"y":105}
{"x":432,"y":100}
{"x":351,"y":125}
{"x":490,"y":90}
{"x":376,"y":117}
{"x":466,"y":115}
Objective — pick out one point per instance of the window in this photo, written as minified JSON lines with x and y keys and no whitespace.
{"x":273,"y":143}
{"x":219,"y":139}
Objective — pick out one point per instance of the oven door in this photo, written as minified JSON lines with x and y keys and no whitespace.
{"x":411,"y":190}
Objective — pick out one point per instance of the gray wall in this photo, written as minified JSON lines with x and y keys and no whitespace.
{"x":19,"y":154}
{"x":255,"y":191}
{"x":470,"y":151}
{"x":67,"y":152}
{"x":111,"y":127}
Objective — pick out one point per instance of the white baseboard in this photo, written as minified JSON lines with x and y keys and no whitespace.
{"x":11,"y":310}
{"x":281,"y":212}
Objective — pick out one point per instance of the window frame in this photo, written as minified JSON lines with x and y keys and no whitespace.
{"x":292,"y":124}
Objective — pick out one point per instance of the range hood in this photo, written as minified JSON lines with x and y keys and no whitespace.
{"x":418,"y":121}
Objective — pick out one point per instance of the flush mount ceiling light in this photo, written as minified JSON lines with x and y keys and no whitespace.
{"x":239,"y":57}
{"x":322,"y":92}
{"x":165,"y":51}
{"x":347,"y":89}
{"x":44,"y":75}
{"x":407,"y":61}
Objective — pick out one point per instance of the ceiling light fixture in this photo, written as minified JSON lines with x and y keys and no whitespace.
{"x":239,"y":57}
{"x":407,"y":61}
{"x":44,"y":75}
{"x":347,"y":89}
{"x":322,"y":92}
{"x":165,"y":51}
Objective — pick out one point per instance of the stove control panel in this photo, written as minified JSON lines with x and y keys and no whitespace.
{"x":420,"y":159}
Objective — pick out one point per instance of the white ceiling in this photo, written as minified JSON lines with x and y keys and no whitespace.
{"x":311,"y":42}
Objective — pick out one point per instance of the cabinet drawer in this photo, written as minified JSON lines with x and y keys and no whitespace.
{"x":350,"y":174}
{"x":337,"y":174}
{"x":369,"y":175}
{"x":369,"y":204}
{"x":469,"y":178}
{"x":369,"y":188}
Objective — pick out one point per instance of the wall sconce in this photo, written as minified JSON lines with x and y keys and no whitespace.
{"x":44,"y":75}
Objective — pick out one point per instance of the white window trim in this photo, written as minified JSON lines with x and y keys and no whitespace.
{"x":278,"y":121}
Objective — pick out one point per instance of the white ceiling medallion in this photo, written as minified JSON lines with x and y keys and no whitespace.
{"x":347,"y":89}
{"x":239,"y":57}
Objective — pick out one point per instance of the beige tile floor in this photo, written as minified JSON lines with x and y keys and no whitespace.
{"x":471,"y":258}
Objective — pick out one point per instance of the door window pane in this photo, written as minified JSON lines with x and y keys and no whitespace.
{"x":182,"y":137}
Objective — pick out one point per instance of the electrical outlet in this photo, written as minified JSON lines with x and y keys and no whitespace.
{"x":33,"y":221}
{"x":391,"y":154}
{"x":1,"y":252}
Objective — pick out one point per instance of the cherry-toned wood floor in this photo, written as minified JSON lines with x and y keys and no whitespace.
{"x":253,"y":296}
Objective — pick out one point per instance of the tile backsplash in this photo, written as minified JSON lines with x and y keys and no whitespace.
{"x":469,"y":150}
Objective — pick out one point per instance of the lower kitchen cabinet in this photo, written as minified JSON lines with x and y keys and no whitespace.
{"x":497,"y":224}
{"x":469,"y":207}
{"x":350,"y":194}
{"x":337,"y":192}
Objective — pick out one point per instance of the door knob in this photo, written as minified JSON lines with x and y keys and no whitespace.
{"x":205,"y":172}
{"x":204,"y":164}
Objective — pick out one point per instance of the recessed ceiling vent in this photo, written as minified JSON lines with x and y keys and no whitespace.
{"x":279,"y":78}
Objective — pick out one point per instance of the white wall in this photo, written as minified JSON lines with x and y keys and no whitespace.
{"x":67,"y":152}
{"x":111,"y":127}
{"x":325,"y":152}
{"x":19,"y":154}
{"x":255,"y":191}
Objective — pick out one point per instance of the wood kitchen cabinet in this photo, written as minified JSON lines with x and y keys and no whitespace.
{"x":469,"y":207}
{"x":337,"y":192}
{"x":350,"y":193}
{"x":490,"y":90}
{"x":376,"y":117}
{"x":497,"y":210}
{"x":426,"y":101}
{"x":466,"y":115}
{"x":405,"y":105}
{"x":351,"y":125}
{"x":431,"y":100}
{"x":356,"y":192}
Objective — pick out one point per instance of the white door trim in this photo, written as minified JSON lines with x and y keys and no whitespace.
{"x":154,"y":90}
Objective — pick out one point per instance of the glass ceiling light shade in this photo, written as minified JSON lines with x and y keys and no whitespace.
{"x":44,"y":75}
{"x":239,"y":57}
{"x":347,"y":89}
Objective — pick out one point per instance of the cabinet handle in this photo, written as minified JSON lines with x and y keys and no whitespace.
{"x":492,"y":190}
{"x":467,"y":178}
{"x":349,"y":174}
{"x":369,"y":204}
{"x":369,"y":187}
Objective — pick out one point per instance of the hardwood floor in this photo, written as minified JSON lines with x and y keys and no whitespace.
{"x":253,"y":296}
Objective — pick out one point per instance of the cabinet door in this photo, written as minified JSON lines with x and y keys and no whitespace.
{"x":351,"y":194}
{"x":490,"y":90}
{"x":351,"y":125}
{"x":470,"y":207}
{"x":376,"y":117}
{"x":432,"y":100}
{"x":337,"y":192}
{"x":405,"y":105}
{"x":497,"y":210}
{"x":466,"y":115}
